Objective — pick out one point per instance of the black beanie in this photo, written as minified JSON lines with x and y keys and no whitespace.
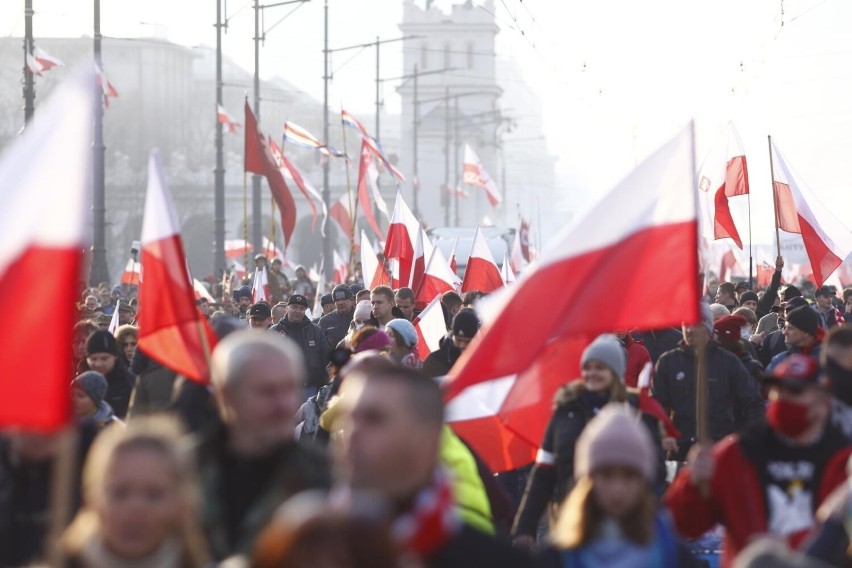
{"x":748,"y":297}
{"x":789,"y":293}
{"x":101,"y":341}
{"x":804,"y":318}
{"x":465,"y":323}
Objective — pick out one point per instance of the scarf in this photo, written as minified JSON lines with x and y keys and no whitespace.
{"x":432,"y":521}
{"x":168,"y":555}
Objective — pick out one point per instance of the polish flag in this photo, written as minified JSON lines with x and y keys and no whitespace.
{"x":43,"y":229}
{"x":341,"y":269}
{"x":371,"y":270}
{"x":238,"y":269}
{"x":132,"y":274}
{"x":724,"y":174}
{"x":237,"y":248}
{"x":430,"y":327}
{"x":729,"y":261}
{"x":798,"y":210}
{"x":271,"y":251}
{"x":481,"y":272}
{"x":341,"y":213}
{"x":507,"y":273}
{"x":452,"y":262}
{"x":222,"y":116}
{"x":474,"y":174}
{"x":294,"y":176}
{"x":34,"y":66}
{"x":171,"y":329}
{"x":363,"y":188}
{"x":46,"y":60}
{"x":259,"y":160}
{"x":106,"y":87}
{"x":260,"y":286}
{"x":517,"y":258}
{"x":422,"y":252}
{"x":201,"y":292}
{"x":113,"y":321}
{"x":437,"y":279}
{"x":501,"y":389}
{"x":400,"y":243}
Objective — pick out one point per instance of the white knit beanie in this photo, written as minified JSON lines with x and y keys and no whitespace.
{"x":615,"y":437}
{"x":363,"y":311}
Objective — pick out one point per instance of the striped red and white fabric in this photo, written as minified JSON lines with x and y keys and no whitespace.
{"x":400,"y":243}
{"x":171,"y":329}
{"x":430,"y":327}
{"x":371,"y":270}
{"x":226,"y":119}
{"x":500,"y":391}
{"x":341,"y":213}
{"x":44,"y":234}
{"x":798,"y":210}
{"x":437,"y":279}
{"x":46,"y":60}
{"x":364,"y":201}
{"x":260,"y":286}
{"x":132,"y":274}
{"x":481,"y":272}
{"x":724,"y":174}
{"x":474,"y":173}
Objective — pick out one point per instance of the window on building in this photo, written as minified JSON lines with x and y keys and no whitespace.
{"x":448,"y":59}
{"x":424,"y":57}
{"x":470,"y":56}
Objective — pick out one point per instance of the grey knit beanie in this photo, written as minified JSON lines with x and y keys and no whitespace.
{"x":615,"y":437}
{"x":93,"y":384}
{"x":608,"y":350}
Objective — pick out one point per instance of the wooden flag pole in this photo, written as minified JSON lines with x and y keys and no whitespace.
{"x":62,"y":483}
{"x":774,"y":196}
{"x":245,"y":223}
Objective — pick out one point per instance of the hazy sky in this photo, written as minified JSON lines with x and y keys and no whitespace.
{"x":617,"y":78}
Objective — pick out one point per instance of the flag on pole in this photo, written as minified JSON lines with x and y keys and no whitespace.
{"x":506,"y":271}
{"x":724,"y":174}
{"x":297,"y":135}
{"x":106,"y":87}
{"x":132,"y":274}
{"x":293,"y":175}
{"x":430,"y":327}
{"x":452,"y":262}
{"x":226,"y":119}
{"x":371,"y":143}
{"x":201,"y":292}
{"x":501,"y":389}
{"x":828,"y":241}
{"x":422,"y":252}
{"x":113,"y":322}
{"x":33,"y":65}
{"x":474,"y":174}
{"x":260,"y":286}
{"x":481,"y":272}
{"x":363,"y":189}
{"x":259,"y":160}
{"x":44,"y":229}
{"x":517,"y":257}
{"x":237,"y":248}
{"x":341,"y":269}
{"x":437,"y":279}
{"x":729,"y":261}
{"x":171,"y":329}
{"x":342,"y":215}
{"x":371,"y":271}
{"x":400,"y":243}
{"x":45,"y":60}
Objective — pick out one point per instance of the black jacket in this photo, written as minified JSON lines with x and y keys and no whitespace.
{"x":439,"y":362}
{"x":120,"y":383}
{"x":764,"y":305}
{"x":336,"y":325}
{"x":470,"y":548}
{"x":733,"y":401}
{"x":772,"y":345}
{"x":314,"y":345}
{"x":658,"y":341}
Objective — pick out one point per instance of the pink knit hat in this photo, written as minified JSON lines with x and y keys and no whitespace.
{"x":615,"y":437}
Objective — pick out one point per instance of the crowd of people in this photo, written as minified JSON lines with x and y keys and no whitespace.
{"x":321,"y":442}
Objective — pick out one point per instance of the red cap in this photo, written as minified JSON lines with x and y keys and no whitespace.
{"x":728,"y":328}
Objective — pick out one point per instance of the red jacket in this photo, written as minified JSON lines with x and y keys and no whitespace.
{"x":736,"y":497}
{"x":637,"y":358}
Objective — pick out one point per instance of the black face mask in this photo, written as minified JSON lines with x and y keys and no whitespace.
{"x":841,"y":381}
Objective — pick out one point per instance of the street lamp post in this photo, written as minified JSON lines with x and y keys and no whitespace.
{"x":219,"y":172}
{"x":29,"y":84}
{"x":100,"y":270}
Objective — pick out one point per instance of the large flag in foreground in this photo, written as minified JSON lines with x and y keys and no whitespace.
{"x":171,"y":329}
{"x":798,"y":210}
{"x":724,"y":174}
{"x":500,"y":390}
{"x":43,"y":229}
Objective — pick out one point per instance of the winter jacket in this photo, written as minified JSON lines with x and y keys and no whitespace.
{"x":764,"y":305}
{"x":833,"y":317}
{"x":741,"y":491}
{"x":637,"y":358}
{"x":552,"y":476}
{"x":314,"y":345}
{"x":665,"y":551}
{"x":658,"y":341}
{"x":469,"y":548}
{"x":772,"y":345}
{"x":336,"y":325}
{"x":120,"y":383}
{"x":239,"y":495}
{"x":768,"y":323}
{"x":153,"y":392}
{"x":439,"y":362}
{"x":812,"y":351}
{"x":468,"y":490}
{"x":733,"y":401}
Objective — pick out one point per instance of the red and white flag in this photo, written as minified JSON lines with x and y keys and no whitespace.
{"x":454,"y":266}
{"x":43,"y":229}
{"x":132,"y":274}
{"x":113,"y":321}
{"x":106,"y":87}
{"x":423,"y":248}
{"x":430,"y":327}
{"x":828,"y":241}
{"x":237,"y":248}
{"x":481,"y":272}
{"x":341,"y":213}
{"x":341,"y":269}
{"x":271,"y":252}
{"x":371,"y":270}
{"x":171,"y":329}
{"x":201,"y":292}
{"x":33,"y":65}
{"x":364,"y":187}
{"x":506,"y":272}
{"x":517,"y":257}
{"x":724,"y":174}
{"x":260,"y":286}
{"x":45,"y":60}
{"x":400,"y":243}
{"x":294,"y":176}
{"x":729,"y":261}
{"x":227,"y":120}
{"x":501,"y":389}
{"x":437,"y":279}
{"x":474,"y":174}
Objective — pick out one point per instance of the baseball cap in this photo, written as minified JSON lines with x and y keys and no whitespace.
{"x":260,"y":310}
{"x":824,"y":291}
{"x":742,"y":285}
{"x":798,"y":372}
{"x":298,"y":300}
{"x":342,"y":292}
{"x":326,"y":300}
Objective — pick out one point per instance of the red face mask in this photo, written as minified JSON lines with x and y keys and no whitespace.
{"x":787,"y":417}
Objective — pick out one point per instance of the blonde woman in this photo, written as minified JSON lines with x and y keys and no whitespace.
{"x":139,"y":501}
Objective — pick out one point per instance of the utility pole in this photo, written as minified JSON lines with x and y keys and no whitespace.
{"x":219,"y":172}
{"x":100,"y":271}
{"x":29,"y":83}
{"x":378,"y":133}
{"x":415,"y":179}
{"x":327,"y":261}
{"x":445,"y":193}
{"x":256,"y":211}
{"x":456,"y":157}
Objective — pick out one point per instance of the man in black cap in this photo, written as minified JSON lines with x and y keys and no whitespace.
{"x":336,"y":324}
{"x":126,"y":314}
{"x":260,"y":316}
{"x":310,"y":338}
{"x":102,"y":356}
{"x":773,"y":343}
{"x":770,"y":322}
{"x":828,"y":314}
{"x":465,"y":325}
{"x":326,"y":304}
{"x":802,"y":334}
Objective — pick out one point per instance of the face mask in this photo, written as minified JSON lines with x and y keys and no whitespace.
{"x":787,"y":417}
{"x":841,"y":381}
{"x":745,"y":332}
